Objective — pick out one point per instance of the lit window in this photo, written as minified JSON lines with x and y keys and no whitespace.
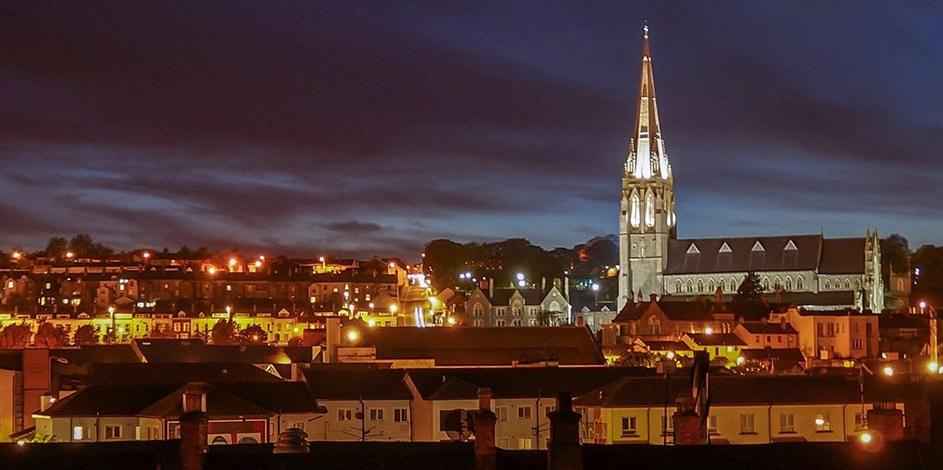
{"x":78,"y":433}
{"x":344,"y":414}
{"x":787,"y":423}
{"x":823,"y":423}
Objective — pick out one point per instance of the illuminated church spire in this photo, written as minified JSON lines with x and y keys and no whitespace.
{"x":647,"y":157}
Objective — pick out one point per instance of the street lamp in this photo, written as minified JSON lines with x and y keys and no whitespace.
{"x":393,"y":308}
{"x":229,"y":312}
{"x":114,"y":333}
{"x":888,"y":371}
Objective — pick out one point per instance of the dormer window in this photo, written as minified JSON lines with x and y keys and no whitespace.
{"x":692,"y":250}
{"x":758,"y":246}
{"x":725,"y":248}
{"x":790,"y":246}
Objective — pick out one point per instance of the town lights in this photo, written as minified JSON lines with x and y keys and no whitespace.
{"x":352,"y":335}
{"x":595,"y":287}
{"x":17,"y":255}
{"x":708,"y":331}
{"x":393,"y":308}
{"x":146,"y":254}
{"x":69,"y":254}
{"x":933,"y":367}
{"x":371,"y":323}
{"x":451,"y":321}
{"x":923,"y":304}
{"x":865,"y":438}
{"x":232,"y":263}
{"x":211,"y":270}
{"x":741,"y":360}
{"x":670,"y":355}
{"x":888,"y":371}
{"x":819,"y":421}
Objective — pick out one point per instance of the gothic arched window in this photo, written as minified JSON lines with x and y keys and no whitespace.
{"x":710,"y":286}
{"x":690,"y":286}
{"x":700,"y":285}
{"x":678,"y":287}
{"x":788,"y":283}
{"x":828,"y":284}
{"x":649,"y":210}
{"x":799,"y":285}
{"x":847,"y":284}
{"x":636,"y":216}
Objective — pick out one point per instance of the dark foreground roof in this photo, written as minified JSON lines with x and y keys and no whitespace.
{"x":460,"y":456}
{"x":469,"y":346}
{"x":166,"y":373}
{"x":516,"y":382}
{"x":329,"y":382}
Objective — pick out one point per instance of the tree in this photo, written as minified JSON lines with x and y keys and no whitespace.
{"x":895,"y":253}
{"x":50,"y":336}
{"x":253,"y":334}
{"x":85,"y":334}
{"x":83,"y":246}
{"x":639,"y":359}
{"x":15,"y":335}
{"x":748,"y":301}
{"x":223,"y":332}
{"x":56,"y":247}
{"x":927,"y":265}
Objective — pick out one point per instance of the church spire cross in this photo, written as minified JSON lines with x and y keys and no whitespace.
{"x":647,"y":158}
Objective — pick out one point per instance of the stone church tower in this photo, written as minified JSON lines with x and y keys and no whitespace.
{"x":647,"y":218}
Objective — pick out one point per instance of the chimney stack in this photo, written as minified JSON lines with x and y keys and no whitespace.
{"x":564,"y":451}
{"x":193,"y":427}
{"x":485,"y":419}
{"x":490,"y":288}
{"x":332,"y":333}
{"x":887,"y":420}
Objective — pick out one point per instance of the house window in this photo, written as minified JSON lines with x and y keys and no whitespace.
{"x":112,"y":431}
{"x":747,"y":423}
{"x":376,"y":414}
{"x":629,"y":426}
{"x":500,"y":323}
{"x":667,"y":426}
{"x":525,"y":443}
{"x":400,"y":415}
{"x":823,"y":423}
{"x":502,"y":413}
{"x":78,"y":433}
{"x":477,"y":310}
{"x":344,"y":414}
{"x":516,"y":323}
{"x":478,"y":323}
{"x":787,"y":423}
{"x":523,"y":412}
{"x":654,"y":326}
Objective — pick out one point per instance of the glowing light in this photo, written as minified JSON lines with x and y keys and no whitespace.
{"x":888,"y":371}
{"x":434,"y":301}
{"x":228,"y":310}
{"x":261,"y":257}
{"x":120,"y":330}
{"x":371,"y":323}
{"x":146,"y":254}
{"x":211,"y":270}
{"x":321,"y":259}
{"x":52,"y":399}
{"x":595,"y":287}
{"x":296,"y":329}
{"x":258,"y":264}
{"x":392,"y":265}
{"x":371,"y":305}
{"x":708,"y":331}
{"x":352,"y":335}
{"x":232,"y":262}
{"x":69,"y":254}
{"x":670,"y":355}
{"x":21,"y":442}
{"x":923,"y":304}
{"x":865,"y":438}
{"x":520,"y":276}
{"x":521,"y":283}
{"x":451,"y":321}
{"x":819,"y":421}
{"x":393,"y":308}
{"x":933,"y":366}
{"x":17,"y":255}
{"x":111,"y":311}
{"x":741,"y":360}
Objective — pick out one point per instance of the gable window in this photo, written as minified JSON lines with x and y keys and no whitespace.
{"x":654,"y":326}
{"x":629,"y":426}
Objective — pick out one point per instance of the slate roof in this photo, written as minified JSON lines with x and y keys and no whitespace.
{"x":195,"y":350}
{"x":219,"y":404}
{"x":768,"y":328}
{"x":458,"y":346}
{"x":727,"y":390}
{"x":354,"y":382}
{"x":791,"y":355}
{"x":503,"y":296}
{"x":716,"y":339}
{"x":813,"y":252}
{"x":280,"y":397}
{"x":176,"y":374}
{"x":515,"y":382}
{"x":109,"y":400}
{"x":684,"y":310}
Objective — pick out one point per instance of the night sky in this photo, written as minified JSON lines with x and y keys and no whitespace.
{"x":371,"y":128}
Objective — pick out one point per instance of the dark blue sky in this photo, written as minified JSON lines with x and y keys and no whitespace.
{"x":371,"y":128}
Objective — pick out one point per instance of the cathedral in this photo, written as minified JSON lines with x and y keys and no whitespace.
{"x":808,"y":271}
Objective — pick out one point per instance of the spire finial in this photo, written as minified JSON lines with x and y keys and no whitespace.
{"x":645,"y":29}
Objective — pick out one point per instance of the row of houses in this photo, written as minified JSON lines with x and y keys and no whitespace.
{"x":366,"y":403}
